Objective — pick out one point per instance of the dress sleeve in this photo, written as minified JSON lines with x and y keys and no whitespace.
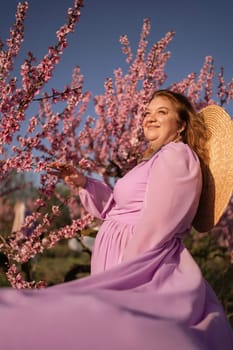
{"x":171,"y":199}
{"x":95,"y":197}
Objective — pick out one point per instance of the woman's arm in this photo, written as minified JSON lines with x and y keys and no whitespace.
{"x":95,"y":196}
{"x":171,"y":199}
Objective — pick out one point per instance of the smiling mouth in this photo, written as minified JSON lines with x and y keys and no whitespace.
{"x":152,"y":126}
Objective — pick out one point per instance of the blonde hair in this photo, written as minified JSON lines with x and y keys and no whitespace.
{"x":195,"y":133}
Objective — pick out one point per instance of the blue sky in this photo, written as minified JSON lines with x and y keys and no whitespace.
{"x":203,"y":27}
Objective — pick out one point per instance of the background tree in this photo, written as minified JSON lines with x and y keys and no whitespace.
{"x":106,"y":145}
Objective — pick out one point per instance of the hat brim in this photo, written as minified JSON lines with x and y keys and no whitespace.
{"x":218,"y":176}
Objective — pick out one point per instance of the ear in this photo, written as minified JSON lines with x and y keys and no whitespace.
{"x":182,"y":127}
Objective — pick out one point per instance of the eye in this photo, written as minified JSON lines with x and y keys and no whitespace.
{"x":145,"y":114}
{"x":162,"y":112}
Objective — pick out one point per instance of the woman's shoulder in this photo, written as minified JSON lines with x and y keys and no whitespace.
{"x":176,"y":146}
{"x":180,"y":150}
{"x":178,"y":157}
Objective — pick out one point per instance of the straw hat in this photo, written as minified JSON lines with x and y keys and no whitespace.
{"x":218,"y":177}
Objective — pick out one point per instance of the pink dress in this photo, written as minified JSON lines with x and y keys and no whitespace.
{"x":152,"y":204}
{"x":145,"y":291}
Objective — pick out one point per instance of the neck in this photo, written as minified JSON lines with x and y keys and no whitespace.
{"x":150,"y":151}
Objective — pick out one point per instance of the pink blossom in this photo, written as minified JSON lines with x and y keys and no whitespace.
{"x":108,"y":143}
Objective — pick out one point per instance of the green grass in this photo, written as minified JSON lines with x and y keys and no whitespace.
{"x":55,"y":264}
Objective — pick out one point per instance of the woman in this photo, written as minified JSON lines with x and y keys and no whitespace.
{"x":158,"y":199}
{"x":145,"y":291}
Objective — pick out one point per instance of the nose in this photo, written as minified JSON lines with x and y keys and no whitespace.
{"x":151,"y":118}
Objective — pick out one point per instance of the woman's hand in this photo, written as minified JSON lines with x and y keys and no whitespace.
{"x":68,"y":173}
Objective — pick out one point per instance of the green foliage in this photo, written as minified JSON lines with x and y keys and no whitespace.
{"x":54,"y":266}
{"x":3,"y":268}
{"x":56,"y":263}
{"x":214,"y":263}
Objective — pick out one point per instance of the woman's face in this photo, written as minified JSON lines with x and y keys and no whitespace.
{"x":160,"y":124}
